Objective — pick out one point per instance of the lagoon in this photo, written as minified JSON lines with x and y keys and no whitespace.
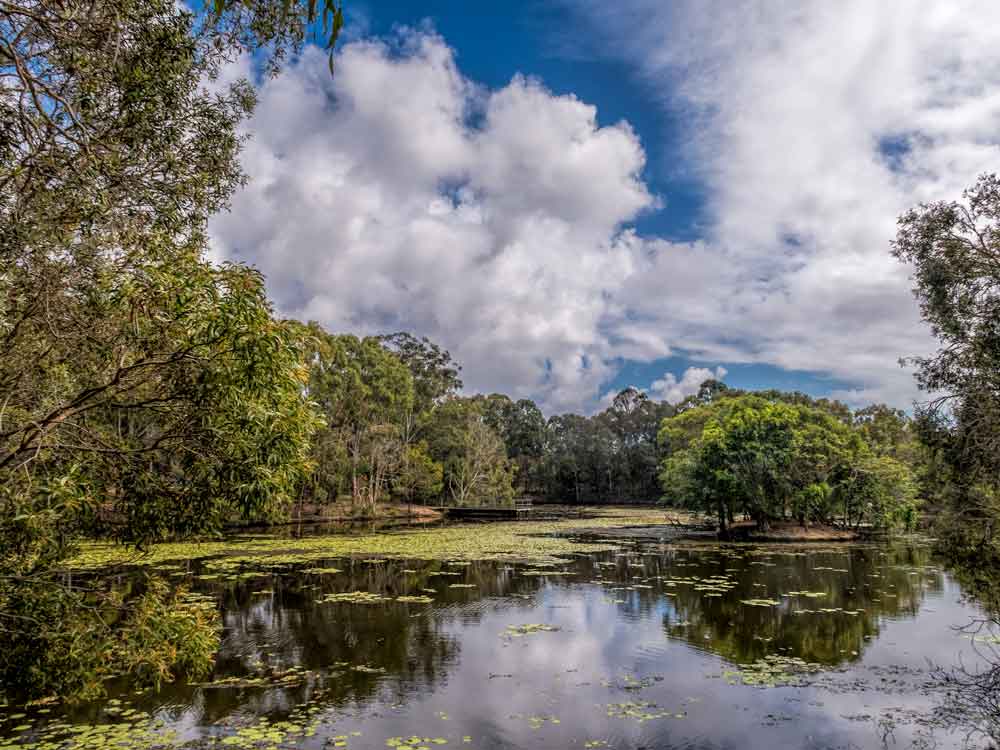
{"x":591,"y":634}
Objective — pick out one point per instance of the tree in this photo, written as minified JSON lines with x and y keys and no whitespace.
{"x":435,"y":373}
{"x":521,"y":426}
{"x":563,"y":463}
{"x":365,"y":394}
{"x":824,"y":445}
{"x":420,"y":478}
{"x":435,"y":378}
{"x":750,"y":454}
{"x":953,"y":248}
{"x":774,"y":458}
{"x":634,"y":420}
{"x":888,"y":432}
{"x":476,"y":468}
{"x":144,"y":391}
{"x":878,"y":490}
{"x":612,"y":456}
{"x":480,"y":474}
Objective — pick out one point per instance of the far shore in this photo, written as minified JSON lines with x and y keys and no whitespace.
{"x":684,"y":523}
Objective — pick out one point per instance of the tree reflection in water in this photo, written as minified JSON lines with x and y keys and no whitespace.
{"x":415,"y":647}
{"x":646,"y":625}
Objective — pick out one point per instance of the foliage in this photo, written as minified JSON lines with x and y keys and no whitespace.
{"x":479,"y":472}
{"x":476,"y":469}
{"x":521,"y":425}
{"x":142,"y":387}
{"x":421,"y":478}
{"x":144,"y":391}
{"x":274,"y":25}
{"x":435,"y":373}
{"x":394,"y":425}
{"x":612,"y":456}
{"x":952,"y":248}
{"x":79,"y":639}
{"x":363,"y":392}
{"x":772,"y":459}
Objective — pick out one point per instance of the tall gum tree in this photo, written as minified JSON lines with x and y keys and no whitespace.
{"x":144,"y":391}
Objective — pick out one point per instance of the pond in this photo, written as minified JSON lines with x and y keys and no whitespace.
{"x":616,"y":639}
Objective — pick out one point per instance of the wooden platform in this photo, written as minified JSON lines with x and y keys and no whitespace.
{"x":521,"y":509}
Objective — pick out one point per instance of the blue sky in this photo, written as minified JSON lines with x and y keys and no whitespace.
{"x":499,"y":40}
{"x":577,"y":196}
{"x":539,"y":39}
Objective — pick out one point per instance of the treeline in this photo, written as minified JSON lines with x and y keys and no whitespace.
{"x":396,"y":429}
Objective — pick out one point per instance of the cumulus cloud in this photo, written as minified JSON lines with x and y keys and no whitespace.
{"x":673,"y":390}
{"x":669,"y":387}
{"x":397,"y":194}
{"x":813,"y":125}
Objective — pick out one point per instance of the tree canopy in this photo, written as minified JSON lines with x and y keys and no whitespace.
{"x":953,"y":248}
{"x":773,"y":459}
{"x":145,"y":392}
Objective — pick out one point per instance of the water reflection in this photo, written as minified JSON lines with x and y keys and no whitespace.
{"x":824,"y":606}
{"x":634,"y":645}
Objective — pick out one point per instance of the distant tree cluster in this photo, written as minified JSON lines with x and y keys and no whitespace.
{"x":394,"y":426}
{"x":396,"y":429}
{"x":773,"y":456}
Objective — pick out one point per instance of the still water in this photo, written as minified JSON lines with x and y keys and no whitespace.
{"x":658,"y":643}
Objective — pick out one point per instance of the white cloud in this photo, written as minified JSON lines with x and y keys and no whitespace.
{"x":673,"y":390}
{"x":669,"y":387}
{"x":813,"y":126}
{"x":398,"y":195}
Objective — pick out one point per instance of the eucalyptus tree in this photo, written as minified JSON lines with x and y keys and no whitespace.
{"x":479,"y":473}
{"x":612,"y":456}
{"x":476,"y":469}
{"x":365,"y":395}
{"x":436,"y":377}
{"x":521,"y":426}
{"x":144,"y":391}
{"x":634,"y":420}
{"x":953,"y":248}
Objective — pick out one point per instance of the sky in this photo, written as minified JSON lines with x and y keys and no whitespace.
{"x":577,"y":196}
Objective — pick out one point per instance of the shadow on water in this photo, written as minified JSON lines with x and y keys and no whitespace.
{"x":651,"y":645}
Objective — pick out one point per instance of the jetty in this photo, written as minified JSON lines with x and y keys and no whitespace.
{"x":521,"y":510}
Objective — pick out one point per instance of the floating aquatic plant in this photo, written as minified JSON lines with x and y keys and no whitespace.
{"x":353,"y":597}
{"x":773,"y":671}
{"x":516,"y":631}
{"x":540,"y":541}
